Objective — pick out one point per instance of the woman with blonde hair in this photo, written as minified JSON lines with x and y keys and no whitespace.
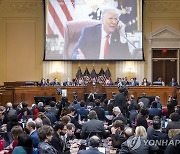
{"x":138,"y":143}
{"x":140,"y":132}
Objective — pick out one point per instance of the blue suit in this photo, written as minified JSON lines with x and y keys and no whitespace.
{"x":90,"y":41}
{"x":35,"y":139}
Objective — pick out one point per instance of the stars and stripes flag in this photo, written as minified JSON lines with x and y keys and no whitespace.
{"x":59,"y":12}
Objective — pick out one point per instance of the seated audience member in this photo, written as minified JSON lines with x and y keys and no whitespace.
{"x":73,"y":114}
{"x":132,"y":102}
{"x":141,"y":105}
{"x":154,"y":111}
{"x":55,"y":82}
{"x":93,"y":125}
{"x":83,"y":111}
{"x":24,"y":115}
{"x":170,"y":109}
{"x":157,"y":100}
{"x":39,"y":108}
{"x":150,"y":129}
{"x":76,"y":104}
{"x":15,"y":131}
{"x":103,"y":104}
{"x":57,"y":141}
{"x":24,"y":145}
{"x":50,"y":115}
{"x":133,"y":114}
{"x":117,"y":134}
{"x":65,"y":119}
{"x":173,"y":148}
{"x":158,"y":136}
{"x":145,"y":82}
{"x":53,"y":108}
{"x":13,"y":122}
{"x":145,"y":100}
{"x":173,"y":100}
{"x":137,"y":143}
{"x":31,"y":126}
{"x":38,"y":122}
{"x":141,"y":120}
{"x":67,"y":83}
{"x":174,"y":123}
{"x":10,"y":111}
{"x":2,"y":119}
{"x":119,"y":115}
{"x":109,"y":116}
{"x":70,"y":132}
{"x":44,"y":118}
{"x":45,"y":135}
{"x":173,"y":82}
{"x":99,"y":110}
{"x":94,"y":143}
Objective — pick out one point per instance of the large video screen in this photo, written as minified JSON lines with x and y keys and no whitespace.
{"x":93,"y":30}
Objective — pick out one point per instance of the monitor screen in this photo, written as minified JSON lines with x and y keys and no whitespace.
{"x":93,"y":30}
{"x":45,"y":99}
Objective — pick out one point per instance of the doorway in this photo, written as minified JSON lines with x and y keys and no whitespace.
{"x":164,"y":64}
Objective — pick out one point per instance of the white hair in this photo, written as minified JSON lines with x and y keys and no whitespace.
{"x":110,"y":9}
{"x":116,"y":109}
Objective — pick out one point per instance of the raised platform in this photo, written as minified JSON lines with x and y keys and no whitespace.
{"x":26,"y":94}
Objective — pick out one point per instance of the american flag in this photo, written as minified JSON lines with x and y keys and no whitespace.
{"x":59,"y":12}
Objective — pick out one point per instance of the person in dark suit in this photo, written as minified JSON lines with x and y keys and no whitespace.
{"x":92,"y":126}
{"x":154,"y":111}
{"x":158,"y":135}
{"x":94,"y":144}
{"x":173,"y":82}
{"x":93,"y":40}
{"x":67,"y":83}
{"x":60,"y":129}
{"x":120,"y":100}
{"x":55,"y":82}
{"x":31,"y":126}
{"x":99,"y":110}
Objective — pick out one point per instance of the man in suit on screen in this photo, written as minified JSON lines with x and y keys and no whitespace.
{"x":103,"y":41}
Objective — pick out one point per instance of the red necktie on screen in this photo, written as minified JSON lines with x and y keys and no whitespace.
{"x":106,"y":47}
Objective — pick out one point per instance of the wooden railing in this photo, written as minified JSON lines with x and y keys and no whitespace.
{"x":26,"y":94}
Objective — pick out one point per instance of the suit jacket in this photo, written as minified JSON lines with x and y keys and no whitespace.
{"x":90,"y":41}
{"x":100,"y":112}
{"x":173,"y":83}
{"x":120,"y":101}
{"x":35,"y":139}
{"x":92,"y":125}
{"x":91,"y":150}
{"x":58,"y":144}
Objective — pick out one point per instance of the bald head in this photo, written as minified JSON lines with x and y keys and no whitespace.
{"x":94,"y":141}
{"x":128,"y":132}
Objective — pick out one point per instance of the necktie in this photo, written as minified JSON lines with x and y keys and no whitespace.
{"x":106,"y":47}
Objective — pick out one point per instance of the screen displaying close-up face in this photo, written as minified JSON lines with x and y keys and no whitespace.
{"x":93,"y":30}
